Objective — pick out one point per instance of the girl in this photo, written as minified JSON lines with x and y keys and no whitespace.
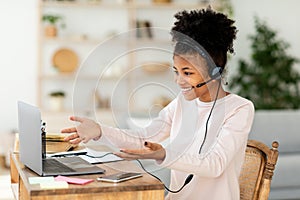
{"x":207,"y":126}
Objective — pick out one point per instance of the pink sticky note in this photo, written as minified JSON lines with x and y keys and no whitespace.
{"x":79,"y":181}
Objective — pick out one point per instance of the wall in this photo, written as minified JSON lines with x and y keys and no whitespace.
{"x":18,"y":44}
{"x":281,"y":16}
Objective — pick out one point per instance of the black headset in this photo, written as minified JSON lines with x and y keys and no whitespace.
{"x":214,"y":71}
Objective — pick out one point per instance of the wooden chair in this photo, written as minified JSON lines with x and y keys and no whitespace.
{"x":257,"y":170}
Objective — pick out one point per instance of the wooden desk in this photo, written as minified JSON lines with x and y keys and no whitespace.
{"x":145,"y":187}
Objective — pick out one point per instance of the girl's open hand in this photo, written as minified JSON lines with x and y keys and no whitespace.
{"x":151,"y":151}
{"x":84,"y":132}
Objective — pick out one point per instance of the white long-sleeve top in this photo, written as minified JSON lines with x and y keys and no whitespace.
{"x":217,"y":167}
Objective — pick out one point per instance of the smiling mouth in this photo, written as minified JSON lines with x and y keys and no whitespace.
{"x":186,"y":89}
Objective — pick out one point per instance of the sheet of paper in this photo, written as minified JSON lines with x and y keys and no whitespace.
{"x":54,"y":185}
{"x":66,"y":153}
{"x":38,"y":180}
{"x":78,"y":181}
{"x":48,"y":182}
{"x":101,"y":156}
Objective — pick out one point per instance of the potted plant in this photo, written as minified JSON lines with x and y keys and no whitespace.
{"x":271,"y":82}
{"x":57,"y":100}
{"x":268,"y":79}
{"x":51,"y":22}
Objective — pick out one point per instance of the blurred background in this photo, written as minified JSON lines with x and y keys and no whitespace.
{"x":109,"y":59}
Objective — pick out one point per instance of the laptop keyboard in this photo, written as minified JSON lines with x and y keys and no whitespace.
{"x":52,"y":165}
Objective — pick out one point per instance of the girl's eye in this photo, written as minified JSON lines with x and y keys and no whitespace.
{"x":176,"y":72}
{"x":188,"y":73}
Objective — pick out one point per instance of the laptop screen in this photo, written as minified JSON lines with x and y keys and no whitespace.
{"x":29,"y":119}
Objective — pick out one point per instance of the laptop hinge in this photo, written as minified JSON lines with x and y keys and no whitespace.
{"x":43,"y":129}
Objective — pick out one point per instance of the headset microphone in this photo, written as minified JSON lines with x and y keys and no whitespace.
{"x":215,"y":74}
{"x":203,"y":83}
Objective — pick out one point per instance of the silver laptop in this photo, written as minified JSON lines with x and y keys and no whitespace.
{"x":31,"y":148}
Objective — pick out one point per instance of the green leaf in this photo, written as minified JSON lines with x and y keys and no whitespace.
{"x":269,"y":79}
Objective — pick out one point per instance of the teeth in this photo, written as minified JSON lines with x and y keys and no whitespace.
{"x":186,"y":89}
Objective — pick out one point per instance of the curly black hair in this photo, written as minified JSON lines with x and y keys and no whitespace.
{"x":214,"y":31}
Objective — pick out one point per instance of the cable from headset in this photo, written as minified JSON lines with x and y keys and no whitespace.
{"x":190,"y":176}
{"x":187,"y":180}
{"x":206,"y":124}
{"x":99,"y":156}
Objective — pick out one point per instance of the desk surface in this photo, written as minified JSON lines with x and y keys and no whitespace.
{"x":145,"y":187}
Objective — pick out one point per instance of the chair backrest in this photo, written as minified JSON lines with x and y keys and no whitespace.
{"x":257,"y":171}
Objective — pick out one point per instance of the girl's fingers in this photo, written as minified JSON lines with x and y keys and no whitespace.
{"x":153,"y":146}
{"x":133,"y":151}
{"x":127,"y":156}
{"x":77,"y":119}
{"x":71,"y":137}
{"x":75,"y":141}
{"x":69,"y":130}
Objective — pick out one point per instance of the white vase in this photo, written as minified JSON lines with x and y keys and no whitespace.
{"x":57,"y":103}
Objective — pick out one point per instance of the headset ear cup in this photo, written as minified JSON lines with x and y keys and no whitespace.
{"x":216,"y":73}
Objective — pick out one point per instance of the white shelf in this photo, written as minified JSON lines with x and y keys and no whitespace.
{"x":129,"y":5}
{"x":72,"y":40}
{"x":70,"y":77}
{"x":170,"y":5}
{"x":85,"y":5}
{"x":90,"y":24}
{"x":78,"y":40}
